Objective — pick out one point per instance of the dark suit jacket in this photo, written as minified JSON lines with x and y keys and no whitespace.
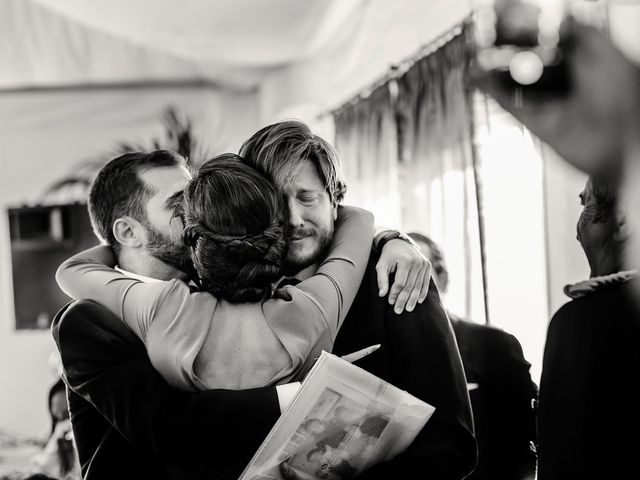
{"x":502,"y":403}
{"x":589,"y":415}
{"x":418,"y":354}
{"x":213,"y":434}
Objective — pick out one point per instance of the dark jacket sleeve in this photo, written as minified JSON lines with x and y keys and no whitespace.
{"x":564,"y":393}
{"x":502,"y":401}
{"x":107,"y":365}
{"x":419,"y":354}
{"x":517,"y":402}
{"x":588,"y":414}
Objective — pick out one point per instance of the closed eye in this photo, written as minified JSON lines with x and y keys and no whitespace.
{"x":307,"y":199}
{"x":174,"y":201}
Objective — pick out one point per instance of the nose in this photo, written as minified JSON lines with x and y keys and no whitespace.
{"x":578,"y":229}
{"x":294,"y":213}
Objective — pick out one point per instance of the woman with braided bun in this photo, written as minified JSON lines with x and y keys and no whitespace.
{"x":237,"y":330}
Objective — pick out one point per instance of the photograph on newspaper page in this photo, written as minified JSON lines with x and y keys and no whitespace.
{"x":342,"y":421}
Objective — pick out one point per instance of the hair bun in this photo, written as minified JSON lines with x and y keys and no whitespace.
{"x":259,"y":243}
{"x":224,"y":201}
{"x":239,"y":268}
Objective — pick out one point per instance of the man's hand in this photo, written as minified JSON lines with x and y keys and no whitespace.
{"x":586,"y":125}
{"x":412,"y":274}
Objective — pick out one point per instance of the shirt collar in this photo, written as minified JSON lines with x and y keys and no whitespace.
{"x":136,"y":276}
{"x":586,"y":287}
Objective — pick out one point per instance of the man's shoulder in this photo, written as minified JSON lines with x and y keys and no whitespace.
{"x":610,"y":308}
{"x":484,"y":333}
{"x":81,"y":313}
{"x":81,"y":321}
{"x":589,"y":308}
{"x":66,"y":318}
{"x":368,"y":301}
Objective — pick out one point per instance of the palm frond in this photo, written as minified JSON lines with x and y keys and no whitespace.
{"x":178,"y":135}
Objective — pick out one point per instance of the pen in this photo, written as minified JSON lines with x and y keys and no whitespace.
{"x":352,"y":357}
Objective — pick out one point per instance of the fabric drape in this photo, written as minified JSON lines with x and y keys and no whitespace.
{"x":437,"y":169}
{"x":366,"y":138}
{"x":407,"y":152}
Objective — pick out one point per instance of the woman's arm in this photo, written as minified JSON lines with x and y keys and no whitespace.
{"x":89,"y":275}
{"x":334,"y":285}
{"x":320,"y":303}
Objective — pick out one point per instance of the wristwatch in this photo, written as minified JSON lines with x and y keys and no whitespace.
{"x":392,"y":235}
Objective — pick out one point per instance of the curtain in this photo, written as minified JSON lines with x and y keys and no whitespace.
{"x":515,"y":218}
{"x":430,"y":156}
{"x":408,"y":156}
{"x":366,"y":139}
{"x":437,"y":178}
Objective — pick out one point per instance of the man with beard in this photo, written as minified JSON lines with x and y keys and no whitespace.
{"x":132,"y":204}
{"x":419,"y":352}
{"x":128,"y":423}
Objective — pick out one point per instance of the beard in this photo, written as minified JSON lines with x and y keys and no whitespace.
{"x":169,"y":251}
{"x":317,"y":241}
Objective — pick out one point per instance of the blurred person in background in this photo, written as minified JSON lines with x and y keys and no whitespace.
{"x":588,"y":412}
{"x":500,"y":387}
{"x":58,"y":457}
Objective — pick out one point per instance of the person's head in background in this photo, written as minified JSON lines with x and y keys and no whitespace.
{"x":306,"y":170}
{"x":132,"y":204}
{"x":432,"y":251}
{"x":601,"y":228}
{"x":62,"y":459}
{"x":234,"y":228}
{"x":57,"y":403}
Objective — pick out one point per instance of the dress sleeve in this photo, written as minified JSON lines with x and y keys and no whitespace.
{"x":301,"y":315}
{"x":83,"y":277}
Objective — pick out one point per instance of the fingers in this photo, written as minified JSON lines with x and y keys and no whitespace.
{"x":424,"y":289}
{"x":414,"y":294}
{"x":412,"y":271}
{"x":408,"y":285}
{"x":427,"y":278}
{"x":400,"y":280}
{"x":382,"y":272}
{"x":419,"y":291}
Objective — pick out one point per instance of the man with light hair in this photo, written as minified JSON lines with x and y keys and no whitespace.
{"x":419,"y":352}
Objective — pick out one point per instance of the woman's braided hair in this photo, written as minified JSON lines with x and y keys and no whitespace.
{"x":234,"y":228}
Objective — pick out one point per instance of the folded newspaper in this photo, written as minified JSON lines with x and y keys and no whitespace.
{"x":342,"y":421}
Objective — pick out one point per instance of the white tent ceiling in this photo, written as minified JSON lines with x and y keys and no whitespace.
{"x":230,"y":43}
{"x":239,"y":32}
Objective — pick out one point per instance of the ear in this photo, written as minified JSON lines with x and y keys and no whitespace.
{"x":621,"y":233}
{"x":128,"y":232}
